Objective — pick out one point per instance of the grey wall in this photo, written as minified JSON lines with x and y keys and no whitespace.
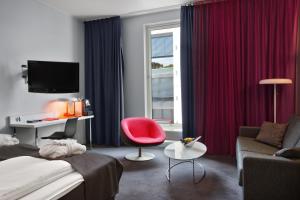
{"x":133,"y":40}
{"x":31,"y":30}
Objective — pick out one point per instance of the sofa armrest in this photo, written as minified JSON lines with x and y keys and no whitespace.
{"x":271,"y":177}
{"x":249,"y":131}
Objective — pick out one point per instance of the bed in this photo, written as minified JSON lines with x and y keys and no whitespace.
{"x":26,"y":176}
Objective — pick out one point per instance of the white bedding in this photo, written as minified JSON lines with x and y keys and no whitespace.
{"x":59,"y":148}
{"x":56,"y":189}
{"x":23,"y":175}
{"x":7,"y":140}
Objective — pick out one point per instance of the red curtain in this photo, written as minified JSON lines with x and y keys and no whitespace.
{"x":236,"y":44}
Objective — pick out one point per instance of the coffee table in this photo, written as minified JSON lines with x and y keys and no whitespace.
{"x":178,"y":151}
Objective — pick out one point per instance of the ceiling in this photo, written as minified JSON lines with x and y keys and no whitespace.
{"x":91,"y":9}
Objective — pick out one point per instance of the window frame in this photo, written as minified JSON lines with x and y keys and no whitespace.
{"x":147,"y":63}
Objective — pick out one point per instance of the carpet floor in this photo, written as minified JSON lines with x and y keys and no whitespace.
{"x":147,"y":180}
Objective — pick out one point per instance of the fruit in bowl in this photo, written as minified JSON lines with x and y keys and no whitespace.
{"x":189,"y":141}
{"x":186,"y":140}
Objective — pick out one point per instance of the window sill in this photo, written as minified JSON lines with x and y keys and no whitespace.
{"x":173,"y":131}
{"x":172,"y":127}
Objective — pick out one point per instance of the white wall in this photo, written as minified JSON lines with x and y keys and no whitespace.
{"x":133,"y":40}
{"x":31,"y":30}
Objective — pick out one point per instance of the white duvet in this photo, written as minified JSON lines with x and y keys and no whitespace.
{"x":56,"y":189}
{"x":22,"y":175}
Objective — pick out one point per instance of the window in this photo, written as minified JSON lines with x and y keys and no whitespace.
{"x":163,"y":74}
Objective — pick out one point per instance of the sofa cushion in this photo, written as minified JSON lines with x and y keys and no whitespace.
{"x":272,"y":133}
{"x":250,"y":144}
{"x":292,"y":134}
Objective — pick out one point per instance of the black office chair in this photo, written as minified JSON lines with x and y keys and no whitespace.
{"x":70,"y":130}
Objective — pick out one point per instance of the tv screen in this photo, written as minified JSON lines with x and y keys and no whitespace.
{"x":53,"y":77}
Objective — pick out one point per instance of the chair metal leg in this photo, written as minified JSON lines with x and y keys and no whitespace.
{"x":140,"y":156}
{"x":140,"y":151}
{"x":90,"y":125}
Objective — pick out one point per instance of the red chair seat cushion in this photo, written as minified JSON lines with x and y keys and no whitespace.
{"x":149,"y":140}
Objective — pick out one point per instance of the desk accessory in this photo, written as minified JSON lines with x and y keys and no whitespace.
{"x":50,"y":119}
{"x":86,"y":108}
{"x":34,"y":121}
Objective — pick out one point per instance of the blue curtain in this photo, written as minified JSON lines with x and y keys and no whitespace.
{"x":186,"y":29}
{"x":104,"y":78}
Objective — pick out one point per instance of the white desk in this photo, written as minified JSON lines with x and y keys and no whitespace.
{"x":21,"y":122}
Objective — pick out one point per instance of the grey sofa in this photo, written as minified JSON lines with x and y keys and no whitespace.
{"x":262,"y":175}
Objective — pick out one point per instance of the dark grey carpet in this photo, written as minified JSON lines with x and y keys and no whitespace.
{"x":147,"y":181}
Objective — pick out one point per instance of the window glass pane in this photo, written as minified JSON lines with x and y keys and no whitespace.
{"x":162,"y":94}
{"x":165,"y":76}
{"x":162,"y":46}
{"x":162,"y":78}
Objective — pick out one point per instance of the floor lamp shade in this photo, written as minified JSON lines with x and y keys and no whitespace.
{"x":275,"y":82}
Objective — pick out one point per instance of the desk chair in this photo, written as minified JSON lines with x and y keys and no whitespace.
{"x":69,"y":132}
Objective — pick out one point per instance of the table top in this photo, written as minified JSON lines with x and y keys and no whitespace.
{"x":24,"y":124}
{"x":178,"y":151}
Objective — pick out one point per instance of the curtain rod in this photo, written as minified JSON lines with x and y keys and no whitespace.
{"x":156,"y":10}
{"x":200,"y":2}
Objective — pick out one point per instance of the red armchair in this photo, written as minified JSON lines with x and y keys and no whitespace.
{"x":140,"y":132}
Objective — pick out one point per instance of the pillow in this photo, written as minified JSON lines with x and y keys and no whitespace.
{"x":288,"y":153}
{"x":272,"y":134}
{"x":292,"y":134}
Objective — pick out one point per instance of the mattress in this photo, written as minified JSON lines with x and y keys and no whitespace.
{"x":56,"y":189}
{"x":23,"y":175}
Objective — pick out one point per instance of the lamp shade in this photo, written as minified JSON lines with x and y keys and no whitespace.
{"x":275,"y":81}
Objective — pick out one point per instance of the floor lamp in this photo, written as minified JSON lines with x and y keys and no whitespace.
{"x":275,"y":82}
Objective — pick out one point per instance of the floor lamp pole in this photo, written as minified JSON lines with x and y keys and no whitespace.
{"x":275,"y":82}
{"x":274,"y":96}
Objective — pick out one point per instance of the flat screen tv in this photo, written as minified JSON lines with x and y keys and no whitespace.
{"x":53,"y":77}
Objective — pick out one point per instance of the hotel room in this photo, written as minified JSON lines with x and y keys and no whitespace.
{"x":150,"y":100}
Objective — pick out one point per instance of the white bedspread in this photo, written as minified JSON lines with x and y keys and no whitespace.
{"x":56,"y":189}
{"x":22,"y":175}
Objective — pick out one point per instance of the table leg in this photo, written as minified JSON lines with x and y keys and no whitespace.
{"x":14,"y":132}
{"x":169,"y":169}
{"x":193,"y":162}
{"x":203,"y":173}
{"x":36,"y":136}
{"x":193,"y":170}
{"x":91,"y":144}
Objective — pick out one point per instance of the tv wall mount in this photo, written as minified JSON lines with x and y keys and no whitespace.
{"x":25,"y":73}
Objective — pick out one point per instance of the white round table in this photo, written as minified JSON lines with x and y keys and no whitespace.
{"x":178,"y":151}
